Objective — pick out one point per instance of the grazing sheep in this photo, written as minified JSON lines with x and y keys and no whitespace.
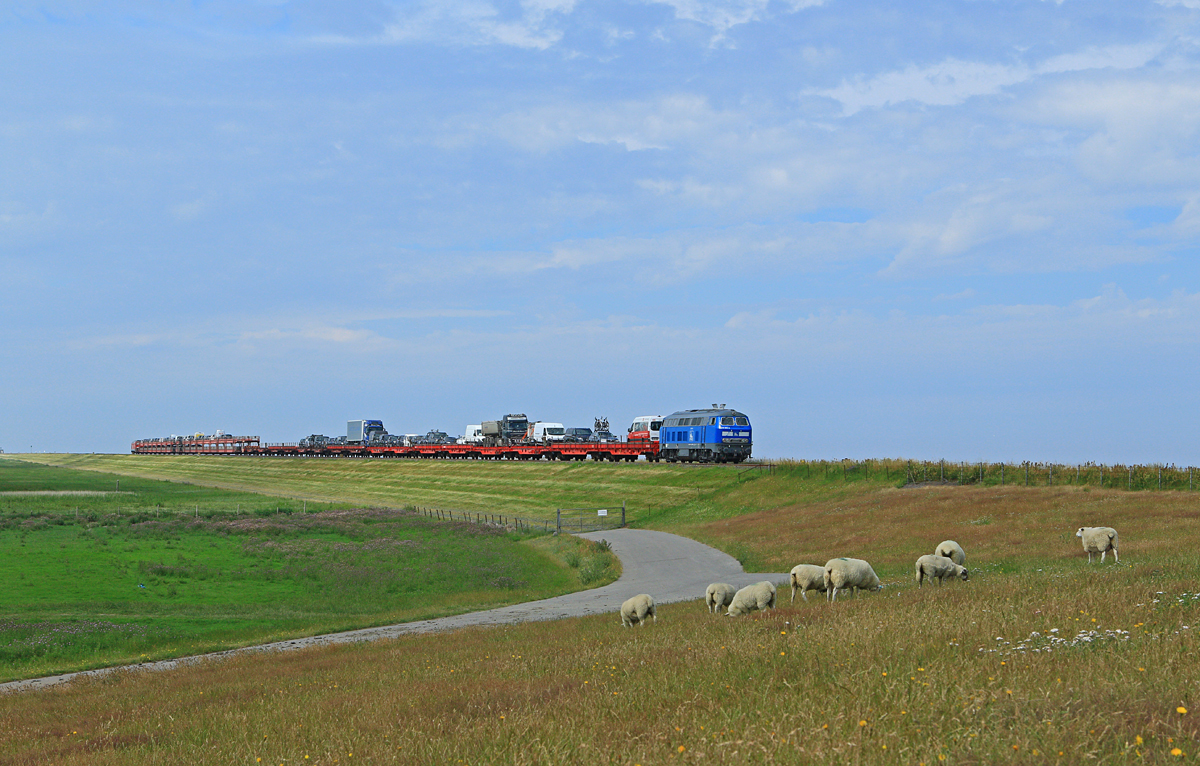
{"x":806,"y":577}
{"x":1099,"y":540}
{"x":760,"y":595}
{"x":952,"y":551}
{"x":844,"y":573}
{"x":636,"y":609}
{"x":938,"y":567}
{"x":718,"y":596}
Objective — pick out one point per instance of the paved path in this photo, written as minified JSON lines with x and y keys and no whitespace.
{"x":669,"y":567}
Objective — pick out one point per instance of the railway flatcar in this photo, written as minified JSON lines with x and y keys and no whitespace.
{"x":717,"y":435}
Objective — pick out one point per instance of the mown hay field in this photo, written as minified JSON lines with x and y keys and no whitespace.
{"x":531,"y":489}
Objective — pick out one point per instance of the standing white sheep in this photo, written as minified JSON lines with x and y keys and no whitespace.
{"x":718,"y":596}
{"x":760,"y":595}
{"x":1099,"y":540}
{"x":952,"y":551}
{"x":636,"y":609}
{"x":937,"y":567}
{"x":806,"y":577}
{"x":844,"y":573}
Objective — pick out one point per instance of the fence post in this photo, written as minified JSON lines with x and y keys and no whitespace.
{"x":1102,"y":476}
{"x":1130,"y":477}
{"x":622,"y":514}
{"x":1001,"y":474}
{"x":942,"y":471}
{"x":1026,"y":473}
{"x":1160,"y":477}
{"x":1050,"y":476}
{"x":558,"y":521}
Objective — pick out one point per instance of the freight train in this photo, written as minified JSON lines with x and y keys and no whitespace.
{"x":716,"y":435}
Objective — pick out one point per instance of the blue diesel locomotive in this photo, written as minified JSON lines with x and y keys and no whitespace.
{"x":717,"y":435}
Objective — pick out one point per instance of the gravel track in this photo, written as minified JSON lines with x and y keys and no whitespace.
{"x":669,"y":567}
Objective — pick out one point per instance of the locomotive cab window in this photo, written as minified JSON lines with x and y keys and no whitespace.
{"x":727,"y":420}
{"x":742,"y":421}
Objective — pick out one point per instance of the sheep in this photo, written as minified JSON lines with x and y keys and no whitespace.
{"x":760,"y":595}
{"x":937,"y":567}
{"x":806,"y":577}
{"x":636,"y":609}
{"x":844,"y":573}
{"x":718,"y":596}
{"x":952,"y":551}
{"x":1099,"y":540}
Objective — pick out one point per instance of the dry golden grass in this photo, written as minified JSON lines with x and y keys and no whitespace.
{"x":900,"y":677}
{"x":1004,"y":526}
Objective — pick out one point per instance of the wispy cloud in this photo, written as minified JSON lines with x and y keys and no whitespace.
{"x":953,"y":81}
{"x":534,"y":24}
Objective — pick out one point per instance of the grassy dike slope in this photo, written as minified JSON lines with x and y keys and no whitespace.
{"x":1040,"y":658}
{"x":96,"y":576}
{"x":769,"y":521}
{"x":529,"y":489}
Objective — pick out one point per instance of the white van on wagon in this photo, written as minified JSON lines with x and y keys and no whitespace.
{"x":544,"y":433}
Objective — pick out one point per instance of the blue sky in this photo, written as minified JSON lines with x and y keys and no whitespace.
{"x":961,"y":230}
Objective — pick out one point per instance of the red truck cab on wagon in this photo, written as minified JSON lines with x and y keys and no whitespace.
{"x":645,"y":429}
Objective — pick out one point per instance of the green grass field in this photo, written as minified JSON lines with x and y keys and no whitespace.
{"x":106,"y":585}
{"x":533,"y":490}
{"x":1039,"y":658}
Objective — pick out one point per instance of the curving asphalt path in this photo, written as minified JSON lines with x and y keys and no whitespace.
{"x":669,"y":567}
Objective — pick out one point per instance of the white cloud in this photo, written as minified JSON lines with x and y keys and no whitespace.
{"x":1110,"y":314}
{"x":953,"y":81}
{"x":1007,"y":226}
{"x":15,"y":216}
{"x":723,"y":15}
{"x":634,"y":125}
{"x":1139,"y":130}
{"x":189,"y":211}
{"x":477,"y":22}
{"x":961,"y":295}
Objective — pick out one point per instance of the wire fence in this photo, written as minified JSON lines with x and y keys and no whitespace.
{"x":508,"y":521}
{"x":573,"y":520}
